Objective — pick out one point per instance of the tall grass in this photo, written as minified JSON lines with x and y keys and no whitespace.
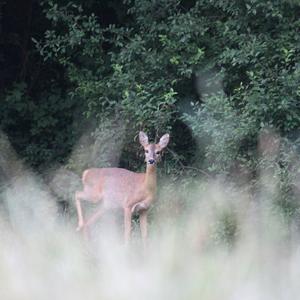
{"x":224,"y":244}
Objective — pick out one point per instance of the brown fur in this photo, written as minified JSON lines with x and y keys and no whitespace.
{"x":120,"y":188}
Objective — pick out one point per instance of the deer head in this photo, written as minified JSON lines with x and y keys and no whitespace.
{"x":153,"y":152}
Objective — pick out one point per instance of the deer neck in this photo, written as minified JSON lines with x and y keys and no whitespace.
{"x":150,"y":178}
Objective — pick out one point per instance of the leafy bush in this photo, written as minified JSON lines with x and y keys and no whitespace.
{"x":215,"y":74}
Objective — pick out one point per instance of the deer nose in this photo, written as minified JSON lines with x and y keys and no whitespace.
{"x":151,"y":161}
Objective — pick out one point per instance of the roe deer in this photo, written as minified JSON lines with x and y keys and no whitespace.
{"x":121,"y":188}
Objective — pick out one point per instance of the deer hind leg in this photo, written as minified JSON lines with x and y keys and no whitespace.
{"x":127,"y":224}
{"x":143,"y":226}
{"x":93,"y":218}
{"x":87,"y":195}
{"x":79,"y":196}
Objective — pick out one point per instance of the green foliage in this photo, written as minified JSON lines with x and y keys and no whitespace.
{"x":255,"y":50}
{"x":225,"y":229}
{"x":43,"y":133}
{"x":212,"y":73}
{"x":138,"y":78}
{"x":146,"y":72}
{"x":242,"y":57}
{"x":218,"y":122}
{"x":144,"y":66}
{"x":75,"y":32}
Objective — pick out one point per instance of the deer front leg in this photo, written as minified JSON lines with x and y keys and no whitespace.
{"x":79,"y":211}
{"x":127,"y":224}
{"x":143,"y":226}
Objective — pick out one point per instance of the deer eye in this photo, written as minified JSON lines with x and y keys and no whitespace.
{"x":146,"y":151}
{"x":157,"y":152}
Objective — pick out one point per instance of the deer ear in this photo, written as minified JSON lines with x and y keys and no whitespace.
{"x":143,"y":139}
{"x":164,"y":140}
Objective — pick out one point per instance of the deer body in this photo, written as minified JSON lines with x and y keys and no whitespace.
{"x":120,"y":188}
{"x":117,"y":187}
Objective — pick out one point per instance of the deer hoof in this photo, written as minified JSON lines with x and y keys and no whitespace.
{"x":80,"y":227}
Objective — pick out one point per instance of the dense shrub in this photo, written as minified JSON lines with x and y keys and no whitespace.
{"x":216,"y":74}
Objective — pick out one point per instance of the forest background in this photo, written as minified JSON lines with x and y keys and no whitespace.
{"x":80,"y":79}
